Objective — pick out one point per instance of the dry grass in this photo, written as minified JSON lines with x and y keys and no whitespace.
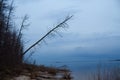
{"x":33,"y":71}
{"x":106,"y":74}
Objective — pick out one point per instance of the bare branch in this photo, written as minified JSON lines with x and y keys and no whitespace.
{"x":58,"y":33}
{"x":22,"y":26}
{"x":48,"y":33}
{"x":9,"y":15}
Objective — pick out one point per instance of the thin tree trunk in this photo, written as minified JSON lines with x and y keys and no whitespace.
{"x":48,"y":33}
{"x":9,"y":15}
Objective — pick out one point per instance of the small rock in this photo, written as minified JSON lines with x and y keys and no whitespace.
{"x":38,"y":78}
{"x":26,"y":74}
{"x":33,"y":79}
{"x":22,"y":78}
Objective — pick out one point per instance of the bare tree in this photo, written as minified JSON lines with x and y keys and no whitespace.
{"x":11,"y":41}
{"x":9,"y":15}
{"x":63,"y":24}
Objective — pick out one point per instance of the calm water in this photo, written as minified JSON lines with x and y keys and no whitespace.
{"x":80,"y":66}
{"x":101,"y":14}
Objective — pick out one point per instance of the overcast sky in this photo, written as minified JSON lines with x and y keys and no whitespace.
{"x":95,"y":26}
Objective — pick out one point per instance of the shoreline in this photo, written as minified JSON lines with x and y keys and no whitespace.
{"x":34,"y":72}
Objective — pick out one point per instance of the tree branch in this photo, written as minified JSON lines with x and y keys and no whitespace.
{"x":9,"y":15}
{"x":61,"y":25}
{"x":22,"y":27}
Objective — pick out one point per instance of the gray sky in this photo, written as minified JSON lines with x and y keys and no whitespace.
{"x":95,"y":26}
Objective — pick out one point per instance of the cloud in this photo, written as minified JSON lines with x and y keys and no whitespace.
{"x":90,"y":17}
{"x":102,"y":44}
{"x":94,"y":27}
